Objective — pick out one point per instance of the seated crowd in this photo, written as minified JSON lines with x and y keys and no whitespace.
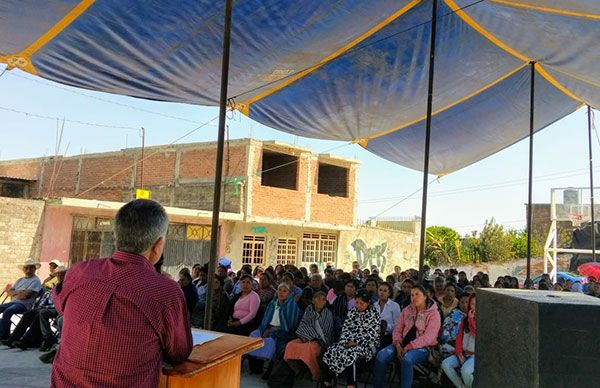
{"x":31,"y":301}
{"x":323,"y":326}
{"x":340,"y":324}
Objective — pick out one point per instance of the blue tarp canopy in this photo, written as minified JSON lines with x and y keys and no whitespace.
{"x":347,"y":70}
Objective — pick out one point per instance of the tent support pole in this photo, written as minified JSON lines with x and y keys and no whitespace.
{"x":427,"y":140}
{"x":589,"y":109}
{"x":214,"y":236}
{"x":530,"y":183}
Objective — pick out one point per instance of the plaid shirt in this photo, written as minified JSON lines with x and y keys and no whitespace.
{"x":121,"y":319}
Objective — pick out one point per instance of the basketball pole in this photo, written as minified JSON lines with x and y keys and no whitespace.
{"x":589,"y":111}
{"x":530,"y":183}
{"x":427,"y":140}
{"x":214,"y":235}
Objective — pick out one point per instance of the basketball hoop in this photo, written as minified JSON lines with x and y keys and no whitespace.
{"x":577,"y":218}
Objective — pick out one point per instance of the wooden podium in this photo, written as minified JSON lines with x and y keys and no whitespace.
{"x":216,"y":363}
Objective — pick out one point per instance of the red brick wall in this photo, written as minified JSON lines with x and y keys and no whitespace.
{"x":109,"y":176}
{"x":276,"y":202}
{"x":96,"y":169}
{"x":200,"y":163}
{"x":25,"y":170}
{"x":332,"y":209}
{"x":159,"y":169}
{"x":196,"y":163}
{"x":60,"y":177}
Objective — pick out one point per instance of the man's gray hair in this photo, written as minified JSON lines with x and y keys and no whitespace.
{"x":139,"y":224}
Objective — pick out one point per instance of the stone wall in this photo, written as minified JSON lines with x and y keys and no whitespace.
{"x":20,"y":235}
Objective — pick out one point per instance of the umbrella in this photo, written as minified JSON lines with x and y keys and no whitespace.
{"x":589,"y":270}
{"x":340,"y":70}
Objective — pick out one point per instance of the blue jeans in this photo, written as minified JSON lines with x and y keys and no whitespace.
{"x":386,"y":355}
{"x":408,"y":362}
{"x":465,"y":379}
{"x":8,"y":310}
{"x":382,"y":362}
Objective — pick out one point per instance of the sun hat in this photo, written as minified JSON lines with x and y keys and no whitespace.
{"x":29,"y":262}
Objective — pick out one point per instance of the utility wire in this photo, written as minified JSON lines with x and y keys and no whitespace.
{"x":158,"y":150}
{"x":74,"y":91}
{"x":404,"y":199}
{"x":53,"y":118}
{"x":557,"y":175}
{"x":498,"y":222}
{"x":297,"y":159}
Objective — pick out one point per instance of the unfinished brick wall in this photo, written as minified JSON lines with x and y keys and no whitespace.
{"x":333,"y":209}
{"x":183,"y":176}
{"x":23,"y":170}
{"x":159,"y":169}
{"x":20,"y":235}
{"x":200,"y":163}
{"x":180,"y":176}
{"x":60,"y":177}
{"x":277,"y":202}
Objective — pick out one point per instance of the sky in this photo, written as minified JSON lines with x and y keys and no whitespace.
{"x":495,"y":187}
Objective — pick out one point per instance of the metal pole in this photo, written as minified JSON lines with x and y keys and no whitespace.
{"x":530,"y":184}
{"x":427,"y":139}
{"x":143,"y":133}
{"x":214,"y":237}
{"x":589,"y":109}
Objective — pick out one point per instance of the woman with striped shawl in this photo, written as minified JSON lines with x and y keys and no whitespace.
{"x":278,"y":324}
{"x":314,"y":335}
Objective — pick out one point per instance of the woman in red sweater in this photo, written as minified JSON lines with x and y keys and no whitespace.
{"x":464,"y":357}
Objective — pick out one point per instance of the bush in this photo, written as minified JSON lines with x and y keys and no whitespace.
{"x":495,"y":243}
{"x":442,"y":246}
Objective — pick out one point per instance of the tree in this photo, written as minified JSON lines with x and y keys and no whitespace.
{"x":442,"y":246}
{"x":519,"y":244}
{"x":495,"y":244}
{"x":471,"y":248}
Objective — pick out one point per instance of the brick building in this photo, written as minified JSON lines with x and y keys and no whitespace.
{"x":280,"y":204}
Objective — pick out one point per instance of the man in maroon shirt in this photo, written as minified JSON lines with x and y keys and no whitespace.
{"x":121,"y":318}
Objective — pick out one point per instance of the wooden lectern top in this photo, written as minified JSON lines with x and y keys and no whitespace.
{"x":213,"y":353}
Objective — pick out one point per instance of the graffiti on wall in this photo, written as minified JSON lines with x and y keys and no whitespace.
{"x":370,"y":256}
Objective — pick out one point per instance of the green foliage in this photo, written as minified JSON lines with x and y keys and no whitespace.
{"x":565,"y":237}
{"x":442,"y":246}
{"x":519,"y":244}
{"x":445,"y":247}
{"x":495,"y":243}
{"x":471,"y":248}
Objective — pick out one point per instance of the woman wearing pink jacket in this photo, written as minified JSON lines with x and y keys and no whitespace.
{"x":416,"y":330}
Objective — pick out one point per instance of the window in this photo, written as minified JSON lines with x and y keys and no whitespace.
{"x":185,"y":244}
{"x":91,"y":238}
{"x":332,"y":180}
{"x":287,"y":249}
{"x":13,"y":189}
{"x":253,"y":250}
{"x":318,"y":248}
{"x":279,"y":170}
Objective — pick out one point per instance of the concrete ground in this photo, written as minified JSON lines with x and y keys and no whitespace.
{"x":23,"y":369}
